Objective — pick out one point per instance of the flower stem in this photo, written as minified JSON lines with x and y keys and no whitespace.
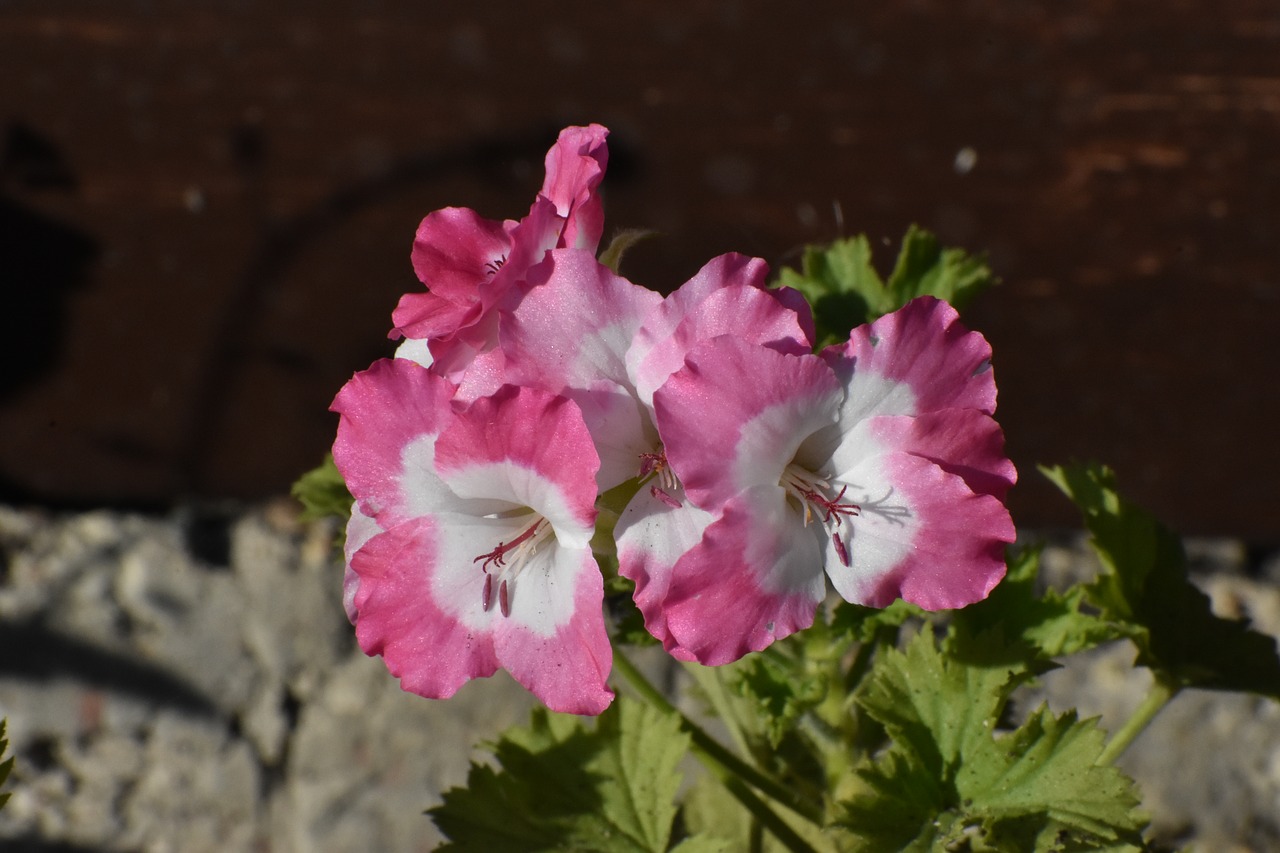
{"x":734,"y":773}
{"x":1162,"y":691}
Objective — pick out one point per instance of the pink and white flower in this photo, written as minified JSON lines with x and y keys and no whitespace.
{"x":473,"y":267}
{"x":727,"y":296}
{"x":476,"y":521}
{"x":875,"y":464}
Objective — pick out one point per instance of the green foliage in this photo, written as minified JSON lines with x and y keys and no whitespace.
{"x":1042,"y":626}
{"x":949,"y":781}
{"x":7,"y":764}
{"x":611,"y":256}
{"x":845,"y":290}
{"x":1144,"y":589}
{"x":322,"y":492}
{"x":561,"y":785}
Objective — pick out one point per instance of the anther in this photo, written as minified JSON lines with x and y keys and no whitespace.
{"x":841,"y":552}
{"x":504,"y":599}
{"x":486,"y":597}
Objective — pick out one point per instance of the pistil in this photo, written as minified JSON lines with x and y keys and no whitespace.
{"x":817,"y":495}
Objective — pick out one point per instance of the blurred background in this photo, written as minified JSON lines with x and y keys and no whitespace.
{"x":206,"y":210}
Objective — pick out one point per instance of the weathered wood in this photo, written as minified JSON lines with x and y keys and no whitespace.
{"x":251,"y":179}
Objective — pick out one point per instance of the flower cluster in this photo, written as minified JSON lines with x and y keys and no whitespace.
{"x":532,"y":378}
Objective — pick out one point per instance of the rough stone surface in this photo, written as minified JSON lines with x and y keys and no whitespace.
{"x":189,"y":683}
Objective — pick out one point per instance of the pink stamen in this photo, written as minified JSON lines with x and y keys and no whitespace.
{"x":664,"y":497}
{"x":650,"y":462}
{"x":504,"y":599}
{"x":840,"y":549}
{"x":486,"y":597}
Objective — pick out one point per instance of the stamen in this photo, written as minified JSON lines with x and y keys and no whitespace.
{"x":841,"y":551}
{"x":807,"y":488}
{"x":518,"y":551}
{"x":664,"y":497}
{"x":811,"y":491}
{"x":655,"y":464}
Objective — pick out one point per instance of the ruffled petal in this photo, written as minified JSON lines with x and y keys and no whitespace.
{"x":455,"y":251}
{"x":728,"y":270}
{"x":755,"y":577}
{"x":566,"y":668}
{"x":749,"y":313}
{"x":575,"y":166}
{"x":653,"y":533}
{"x":921,"y":534}
{"x":402,"y":618}
{"x":569,"y":335}
{"x":964,"y":442}
{"x":734,"y":416}
{"x":389,"y":413}
{"x":529,"y":447}
{"x":918,"y":359}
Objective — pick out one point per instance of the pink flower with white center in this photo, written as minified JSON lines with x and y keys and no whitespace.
{"x":473,"y":266}
{"x":875,"y":464}
{"x":727,"y":296}
{"x":477,"y":521}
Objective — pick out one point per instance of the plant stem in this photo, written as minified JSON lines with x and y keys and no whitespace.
{"x":1161,"y":692}
{"x":731,"y":770}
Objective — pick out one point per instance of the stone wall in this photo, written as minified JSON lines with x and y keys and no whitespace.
{"x":189,"y":683}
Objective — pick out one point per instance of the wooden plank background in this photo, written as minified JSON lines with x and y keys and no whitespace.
{"x":206,"y":209}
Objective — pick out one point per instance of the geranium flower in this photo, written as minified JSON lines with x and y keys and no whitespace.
{"x":473,"y":266}
{"x":875,"y":464}
{"x":727,"y":296}
{"x":474,"y":525}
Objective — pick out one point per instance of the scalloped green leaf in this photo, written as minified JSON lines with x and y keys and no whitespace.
{"x":948,"y":780}
{"x":1046,"y":625}
{"x":844,"y":289}
{"x":1145,"y":589}
{"x":563,"y":785}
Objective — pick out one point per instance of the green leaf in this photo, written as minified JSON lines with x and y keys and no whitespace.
{"x":935,"y":704}
{"x":611,"y":257}
{"x":871,"y":624}
{"x":1046,"y":625}
{"x":323,"y":493}
{"x":711,"y":811}
{"x":949,"y":781}
{"x":1145,"y":589}
{"x":845,"y":290}
{"x":778,"y":694}
{"x":562,"y":785}
{"x":7,"y":764}
{"x":1047,"y":767}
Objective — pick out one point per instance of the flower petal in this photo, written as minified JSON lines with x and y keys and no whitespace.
{"x":569,"y":335}
{"x":918,"y":359}
{"x":653,"y":533}
{"x":921,"y":534}
{"x":529,"y":447}
{"x":456,"y":250}
{"x":755,"y":577}
{"x":420,"y":607}
{"x":575,"y":166}
{"x":387,"y":411}
{"x":734,"y":416}
{"x":750,"y":313}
